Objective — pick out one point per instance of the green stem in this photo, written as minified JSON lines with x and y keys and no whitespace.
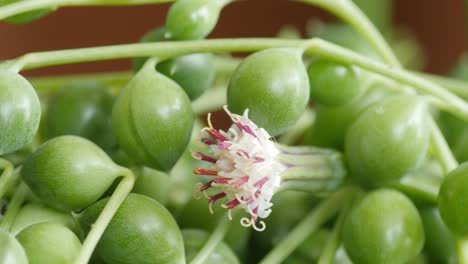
{"x":294,"y":134}
{"x":352,"y":15}
{"x":165,"y":50}
{"x":312,"y":221}
{"x":225,"y":65}
{"x":9,"y":177}
{"x":213,"y":241}
{"x":113,"y":204}
{"x":14,"y":206}
{"x":161,"y":50}
{"x":210,"y":101}
{"x":25,"y":6}
{"x":329,"y":252}
{"x":457,"y":87}
{"x":442,"y":151}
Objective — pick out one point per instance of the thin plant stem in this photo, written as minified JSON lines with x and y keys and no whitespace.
{"x":352,"y":15}
{"x":311,"y":222}
{"x":100,"y":225}
{"x":161,"y":50}
{"x":165,"y":50}
{"x":25,"y":6}
{"x":457,"y":87}
{"x":213,"y":241}
{"x":14,"y":206}
{"x":329,"y":252}
{"x":210,"y":101}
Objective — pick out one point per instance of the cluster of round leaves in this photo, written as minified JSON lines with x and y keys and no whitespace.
{"x":384,"y":136}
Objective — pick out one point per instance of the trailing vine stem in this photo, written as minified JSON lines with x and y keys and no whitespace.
{"x":170,"y":49}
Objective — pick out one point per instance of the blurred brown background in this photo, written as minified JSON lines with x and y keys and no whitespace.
{"x":439,"y":25}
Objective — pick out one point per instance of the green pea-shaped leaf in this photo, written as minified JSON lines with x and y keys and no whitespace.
{"x":195,"y":239}
{"x":152,"y":119}
{"x":69,"y":173}
{"x":453,"y":200}
{"x":332,"y":83}
{"x":332,"y":122}
{"x":192,"y":19}
{"x":81,"y":108}
{"x":11,"y":251}
{"x":195,"y":73}
{"x":20,"y":112}
{"x":384,"y":227}
{"x":27,"y":16}
{"x":31,"y":214}
{"x":49,"y":243}
{"x":142,"y":231}
{"x":388,"y":140}
{"x":440,"y":242}
{"x":274,"y":86}
{"x":152,"y":183}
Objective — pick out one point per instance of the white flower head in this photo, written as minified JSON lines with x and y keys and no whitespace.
{"x":244,"y":168}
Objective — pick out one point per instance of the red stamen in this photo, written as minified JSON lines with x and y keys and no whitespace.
{"x":206,"y":186}
{"x":233,"y":203}
{"x":201,"y":156}
{"x":261,"y":182}
{"x":206,"y":172}
{"x":240,"y":182}
{"x":214,"y":198}
{"x":216,"y":134}
{"x":246,"y":129}
{"x":222,"y":180}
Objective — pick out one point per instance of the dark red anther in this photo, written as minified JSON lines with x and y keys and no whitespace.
{"x":233,"y":203}
{"x":206,"y":186}
{"x":216,"y":134}
{"x":206,"y":172}
{"x":222,"y":180}
{"x":201,"y":156}
{"x":246,"y":129}
{"x":214,"y":198}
